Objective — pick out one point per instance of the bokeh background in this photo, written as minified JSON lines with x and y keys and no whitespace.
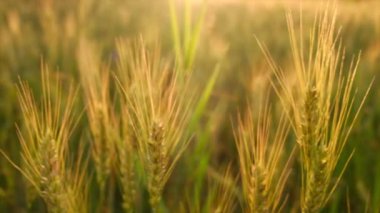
{"x":49,"y":31}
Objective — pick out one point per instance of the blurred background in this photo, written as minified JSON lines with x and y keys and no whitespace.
{"x":32,"y":31}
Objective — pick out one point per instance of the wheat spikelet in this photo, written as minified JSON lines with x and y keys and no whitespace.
{"x":127,"y":179}
{"x":127,"y":161}
{"x":127,"y":176}
{"x":158,"y":163}
{"x":315,"y":152}
{"x":51,"y":182}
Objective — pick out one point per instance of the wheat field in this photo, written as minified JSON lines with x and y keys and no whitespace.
{"x":189,"y":106}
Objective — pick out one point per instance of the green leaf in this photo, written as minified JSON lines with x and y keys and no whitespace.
{"x":202,"y":103}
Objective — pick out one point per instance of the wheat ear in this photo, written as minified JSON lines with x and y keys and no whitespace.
{"x":159,"y":105}
{"x":321,"y":107}
{"x":260,"y":154}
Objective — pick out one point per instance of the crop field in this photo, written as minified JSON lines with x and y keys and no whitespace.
{"x":201,"y":106}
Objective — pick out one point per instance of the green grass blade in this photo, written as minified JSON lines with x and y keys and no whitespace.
{"x":202,"y":104}
{"x":176,"y":33}
{"x":191,"y":45}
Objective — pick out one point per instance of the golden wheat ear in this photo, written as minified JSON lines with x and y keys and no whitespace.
{"x":320,"y":104}
{"x":44,"y":137}
{"x":225,"y":192}
{"x":102,"y":118}
{"x":260,"y":156}
{"x":127,"y":161}
{"x":159,"y":107}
